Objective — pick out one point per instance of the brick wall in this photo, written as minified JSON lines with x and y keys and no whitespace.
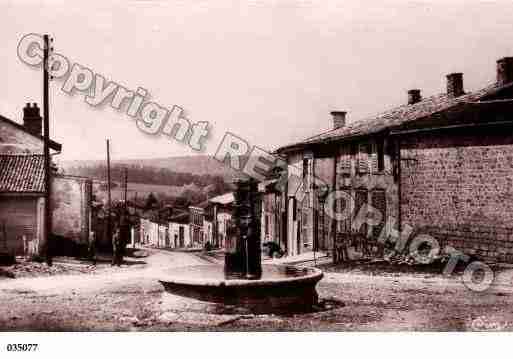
{"x":458,"y":187}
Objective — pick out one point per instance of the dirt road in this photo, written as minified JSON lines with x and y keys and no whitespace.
{"x":130,"y":298}
{"x":108,"y":300}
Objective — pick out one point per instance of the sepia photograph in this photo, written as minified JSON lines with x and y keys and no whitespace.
{"x":254,"y":166}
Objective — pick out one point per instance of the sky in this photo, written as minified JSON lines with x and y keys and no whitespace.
{"x":268,"y":71}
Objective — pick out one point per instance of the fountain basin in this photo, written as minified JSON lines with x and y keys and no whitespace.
{"x":280,"y":289}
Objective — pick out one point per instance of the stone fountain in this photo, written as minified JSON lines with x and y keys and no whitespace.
{"x":244,"y":282}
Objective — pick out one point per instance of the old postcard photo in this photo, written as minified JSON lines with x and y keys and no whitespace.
{"x":256,"y":166}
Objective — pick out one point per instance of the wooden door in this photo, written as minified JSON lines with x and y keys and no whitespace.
{"x":20,"y":217}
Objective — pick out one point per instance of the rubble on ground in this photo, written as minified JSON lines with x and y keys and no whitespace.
{"x":34,"y":269}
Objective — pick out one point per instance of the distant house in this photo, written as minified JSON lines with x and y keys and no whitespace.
{"x":154,"y":233}
{"x":144,"y":230}
{"x":179,"y":235}
{"x":272,"y":218}
{"x":196,"y":223}
{"x":22,"y":192}
{"x":440,"y":165}
{"x":208,"y":232}
{"x":180,"y":231}
{"x":173,"y":232}
{"x":222,"y":218}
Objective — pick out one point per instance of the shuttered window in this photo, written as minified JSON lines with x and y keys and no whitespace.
{"x":380,"y":150}
{"x":378,"y":201}
{"x":361,"y":200}
{"x":343,"y":208}
{"x":344,"y":160}
{"x":306,"y":222}
{"x":374,"y":158}
{"x":377,"y":156}
{"x":364,"y":151}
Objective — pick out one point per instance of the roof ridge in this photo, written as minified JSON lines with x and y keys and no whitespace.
{"x":377,"y":115}
{"x":22,"y":154}
{"x":53,"y":144}
{"x":397,"y":115}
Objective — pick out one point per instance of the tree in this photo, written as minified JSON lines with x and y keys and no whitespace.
{"x":151,"y":202}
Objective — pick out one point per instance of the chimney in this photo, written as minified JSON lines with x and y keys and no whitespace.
{"x":455,"y":85}
{"x":32,"y":119}
{"x":504,"y":70}
{"x":339,"y":119}
{"x":414,"y":96}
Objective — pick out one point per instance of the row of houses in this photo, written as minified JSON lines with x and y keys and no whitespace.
{"x":440,"y":165}
{"x":183,"y":229}
{"x":22,"y":193}
{"x":74,"y":212}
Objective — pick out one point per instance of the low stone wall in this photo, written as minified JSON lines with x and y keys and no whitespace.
{"x":487,"y":243}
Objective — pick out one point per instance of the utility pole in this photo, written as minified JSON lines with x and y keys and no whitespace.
{"x":109,"y":199}
{"x":126,"y":188}
{"x":47,"y":247}
{"x":137,"y":216}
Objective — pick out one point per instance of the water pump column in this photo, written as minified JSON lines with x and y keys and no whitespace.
{"x":244,"y":260}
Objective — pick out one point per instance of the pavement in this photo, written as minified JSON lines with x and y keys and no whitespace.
{"x":303,"y":259}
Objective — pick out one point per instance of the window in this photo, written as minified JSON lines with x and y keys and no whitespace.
{"x":307,"y":174}
{"x":364,"y":152}
{"x":361,"y":201}
{"x":344,"y":161}
{"x":343,"y":209}
{"x":380,"y":149}
{"x":378,"y":201}
{"x":306,"y":222}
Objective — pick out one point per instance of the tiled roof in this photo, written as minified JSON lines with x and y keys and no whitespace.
{"x":399,"y":116}
{"x":21,"y":173}
{"x":226,"y":198}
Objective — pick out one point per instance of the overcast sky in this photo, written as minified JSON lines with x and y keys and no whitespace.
{"x":269,"y":71}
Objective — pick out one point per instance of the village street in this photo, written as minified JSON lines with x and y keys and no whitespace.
{"x":130,"y":298}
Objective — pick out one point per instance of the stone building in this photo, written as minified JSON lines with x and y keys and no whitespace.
{"x":18,"y":139}
{"x":22,"y":191}
{"x":440,"y":165}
